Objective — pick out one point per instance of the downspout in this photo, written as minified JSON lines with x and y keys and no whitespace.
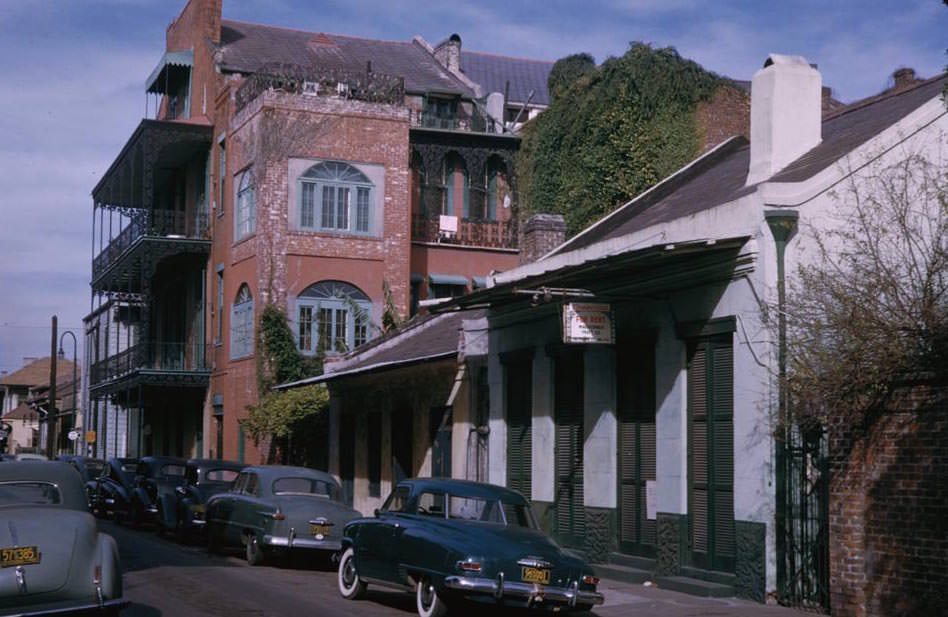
{"x":783,"y":226}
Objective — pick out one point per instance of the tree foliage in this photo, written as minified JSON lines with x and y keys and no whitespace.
{"x":278,"y":412}
{"x":612,"y":132}
{"x":872,"y":309}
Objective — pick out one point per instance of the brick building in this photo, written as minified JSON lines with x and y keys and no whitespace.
{"x":302,"y":169}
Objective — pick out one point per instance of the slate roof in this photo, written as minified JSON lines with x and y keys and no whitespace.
{"x":37,"y":373}
{"x":247,"y":47}
{"x":719,"y":176}
{"x":493,"y":72}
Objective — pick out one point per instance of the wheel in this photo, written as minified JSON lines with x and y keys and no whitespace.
{"x":350,"y":585}
{"x":181,"y":534}
{"x":160,"y":522}
{"x":254,"y":551}
{"x":213,"y":543}
{"x":429,"y":603}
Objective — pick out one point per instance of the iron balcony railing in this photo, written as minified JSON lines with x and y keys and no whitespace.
{"x":151,"y":355}
{"x":470,"y":232}
{"x":154,"y":223}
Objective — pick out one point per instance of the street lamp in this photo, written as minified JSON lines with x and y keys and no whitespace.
{"x":75,"y":406}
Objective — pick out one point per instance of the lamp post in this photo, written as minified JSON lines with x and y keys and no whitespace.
{"x":75,"y":406}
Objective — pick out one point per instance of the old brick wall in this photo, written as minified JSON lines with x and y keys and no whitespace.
{"x":727,"y":114}
{"x":889,"y":510}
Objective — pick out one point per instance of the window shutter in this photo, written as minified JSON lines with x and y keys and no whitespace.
{"x":569,"y":438}
{"x":520,"y":426}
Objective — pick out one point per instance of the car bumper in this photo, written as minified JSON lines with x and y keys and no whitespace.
{"x":530,"y":593}
{"x":293,"y":541}
{"x":93,"y":608}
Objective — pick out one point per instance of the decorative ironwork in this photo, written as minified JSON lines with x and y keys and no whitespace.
{"x":154,"y":223}
{"x":492,"y":234}
{"x":153,"y":355}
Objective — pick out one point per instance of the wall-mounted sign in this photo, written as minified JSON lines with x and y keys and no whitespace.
{"x":588,"y":322}
{"x":90,"y":436}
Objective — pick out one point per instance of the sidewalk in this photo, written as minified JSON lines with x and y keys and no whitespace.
{"x":627,"y":600}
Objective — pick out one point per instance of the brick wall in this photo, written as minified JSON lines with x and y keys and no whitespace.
{"x":541,"y":234}
{"x":727,"y":114}
{"x":889,"y":510}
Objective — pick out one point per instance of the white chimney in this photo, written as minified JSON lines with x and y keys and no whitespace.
{"x":786,"y":112}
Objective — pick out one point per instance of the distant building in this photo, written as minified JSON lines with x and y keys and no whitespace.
{"x":18,"y":390}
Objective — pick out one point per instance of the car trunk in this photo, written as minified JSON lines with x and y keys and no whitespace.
{"x":301,"y":510}
{"x":57,"y":536}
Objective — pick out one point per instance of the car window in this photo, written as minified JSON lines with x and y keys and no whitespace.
{"x":172,"y":471}
{"x":220,"y":475}
{"x":519,"y":515}
{"x":303,"y":486}
{"x":475,"y":509}
{"x":397,"y":501}
{"x":252,"y":485}
{"x":106,"y":471}
{"x":94,"y":467}
{"x":431,"y":504}
{"x":29,"y":492}
{"x":240,"y":483}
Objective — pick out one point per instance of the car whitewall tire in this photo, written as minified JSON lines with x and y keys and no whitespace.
{"x":254,"y":550}
{"x":351,"y":587}
{"x":429,"y":603}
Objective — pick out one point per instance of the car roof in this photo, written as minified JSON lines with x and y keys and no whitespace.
{"x":463,"y":488}
{"x":59,"y":473}
{"x":272,"y":472}
{"x":215,"y":463}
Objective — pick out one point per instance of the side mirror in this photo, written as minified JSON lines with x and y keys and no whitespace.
{"x":377,"y":512}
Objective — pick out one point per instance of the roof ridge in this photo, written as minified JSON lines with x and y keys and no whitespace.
{"x":314,"y":32}
{"x":509,"y":57}
{"x":883,"y":96}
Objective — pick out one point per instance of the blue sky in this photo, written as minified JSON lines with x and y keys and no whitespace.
{"x":72,"y":82}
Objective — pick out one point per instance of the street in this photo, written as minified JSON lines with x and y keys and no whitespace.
{"x":165,"y":578}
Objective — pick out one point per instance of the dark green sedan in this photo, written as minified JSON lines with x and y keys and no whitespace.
{"x":447,"y":540}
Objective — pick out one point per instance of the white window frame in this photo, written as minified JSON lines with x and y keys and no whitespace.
{"x":332,"y":302}
{"x":245,"y":208}
{"x":336,"y":197}
{"x":241,"y":324}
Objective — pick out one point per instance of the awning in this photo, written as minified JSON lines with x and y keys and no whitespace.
{"x":171,"y":63}
{"x":447,"y":279}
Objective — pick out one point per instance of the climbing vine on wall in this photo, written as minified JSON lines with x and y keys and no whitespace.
{"x":611,"y":131}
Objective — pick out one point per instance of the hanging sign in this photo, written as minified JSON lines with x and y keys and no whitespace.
{"x":588,"y":322}
{"x":90,"y":436}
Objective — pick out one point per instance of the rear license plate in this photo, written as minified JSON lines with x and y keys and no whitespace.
{"x":21,"y":556}
{"x":536,"y":575}
{"x":319,"y":531}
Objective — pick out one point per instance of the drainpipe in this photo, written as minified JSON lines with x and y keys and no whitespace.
{"x":783,"y":225}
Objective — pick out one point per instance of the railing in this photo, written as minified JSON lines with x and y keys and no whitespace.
{"x":156,"y":223}
{"x":470,"y":232}
{"x":476,"y":122}
{"x":153,"y":355}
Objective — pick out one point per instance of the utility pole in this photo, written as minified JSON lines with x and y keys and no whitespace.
{"x":51,"y":418}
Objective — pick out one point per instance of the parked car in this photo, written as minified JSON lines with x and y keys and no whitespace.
{"x":153,"y":499}
{"x":30,"y":456}
{"x":448,"y":540}
{"x":53,"y":560}
{"x":204,"y":478}
{"x":278,"y":508}
{"x":89,"y":470}
{"x":112,"y":495}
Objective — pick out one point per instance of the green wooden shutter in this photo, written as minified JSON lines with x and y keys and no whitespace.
{"x":520,"y":425}
{"x":569,"y":437}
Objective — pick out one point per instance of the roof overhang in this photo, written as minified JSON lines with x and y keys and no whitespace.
{"x":172,"y":66}
{"x":370,"y":368}
{"x":447,"y":279}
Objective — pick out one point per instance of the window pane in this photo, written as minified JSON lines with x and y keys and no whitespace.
{"x":361,"y":334}
{"x":362,"y":209}
{"x":306,"y":328}
{"x":341,"y":342}
{"x":328,"y":206}
{"x":325,"y":328}
{"x":308,"y":206}
{"x":342,"y":209}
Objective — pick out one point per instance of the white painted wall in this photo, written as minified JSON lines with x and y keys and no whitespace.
{"x":599,"y":419}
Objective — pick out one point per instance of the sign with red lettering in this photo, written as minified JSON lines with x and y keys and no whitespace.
{"x":588,"y":322}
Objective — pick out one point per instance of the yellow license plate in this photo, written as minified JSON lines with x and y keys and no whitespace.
{"x":319,"y":530}
{"x":536,"y":575}
{"x":21,"y":556}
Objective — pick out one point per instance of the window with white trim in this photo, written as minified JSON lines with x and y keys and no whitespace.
{"x":335,"y":196}
{"x":245,"y":213}
{"x":241,"y":324}
{"x":332,"y":316}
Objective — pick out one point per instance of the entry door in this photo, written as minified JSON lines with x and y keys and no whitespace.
{"x":519,"y":403}
{"x":635,"y":376}
{"x":711,"y":452}
{"x":568,"y":406}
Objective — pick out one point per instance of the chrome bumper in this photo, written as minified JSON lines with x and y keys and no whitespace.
{"x":531,"y":593}
{"x":292,"y":541}
{"x":75,"y":609}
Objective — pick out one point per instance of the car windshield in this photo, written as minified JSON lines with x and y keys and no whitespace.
{"x":303,"y":486}
{"x":220,"y":475}
{"x":25,"y":492}
{"x":491,"y":511}
{"x":172,"y":471}
{"x":94,"y":468}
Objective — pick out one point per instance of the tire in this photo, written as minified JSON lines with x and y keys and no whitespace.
{"x":213,"y":544}
{"x":182,"y":534}
{"x":255,"y":556}
{"x":428,"y":601}
{"x":351,"y":587}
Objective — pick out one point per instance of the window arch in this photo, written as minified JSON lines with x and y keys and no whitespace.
{"x":335,"y":196}
{"x":241,"y":324}
{"x":245,"y":214}
{"x":332,"y":316}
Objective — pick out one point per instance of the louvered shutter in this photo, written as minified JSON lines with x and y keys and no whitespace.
{"x":723,"y":430}
{"x":698,"y":400}
{"x":520,"y":425}
{"x":568,"y":405}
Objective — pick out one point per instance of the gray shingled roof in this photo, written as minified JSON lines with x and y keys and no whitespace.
{"x":493,"y":72}
{"x":246,"y":48}
{"x":719,"y":177}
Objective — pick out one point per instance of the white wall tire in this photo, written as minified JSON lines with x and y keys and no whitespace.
{"x":427,"y":600}
{"x":255,"y":554}
{"x":351,"y":587}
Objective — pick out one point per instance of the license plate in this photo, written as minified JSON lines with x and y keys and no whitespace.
{"x":21,"y":556}
{"x":319,"y":531}
{"x":535,"y":575}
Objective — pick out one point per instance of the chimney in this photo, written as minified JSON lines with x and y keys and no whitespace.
{"x":448,"y":53}
{"x":786,"y":103}
{"x":904,"y":77}
{"x":541,"y":234}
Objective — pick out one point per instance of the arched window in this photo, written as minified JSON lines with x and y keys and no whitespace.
{"x":332,"y":316}
{"x":245,"y":214}
{"x":241,"y":324}
{"x":336,"y":196}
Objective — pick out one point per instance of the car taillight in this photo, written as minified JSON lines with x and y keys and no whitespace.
{"x":469,"y":566}
{"x":97,"y":575}
{"x":278,"y":516}
{"x":589,"y":579}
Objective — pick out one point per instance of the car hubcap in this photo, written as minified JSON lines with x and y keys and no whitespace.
{"x":348,"y":573}
{"x":427,"y":595}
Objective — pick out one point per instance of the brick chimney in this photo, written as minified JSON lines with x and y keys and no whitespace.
{"x":541,"y":234}
{"x":904,"y":77}
{"x":448,"y":53}
{"x":786,"y":102}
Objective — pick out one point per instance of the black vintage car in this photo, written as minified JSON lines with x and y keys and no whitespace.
{"x":89,"y":470}
{"x":112,"y":489}
{"x":153,"y":499}
{"x":448,"y":540}
{"x":204,"y":478}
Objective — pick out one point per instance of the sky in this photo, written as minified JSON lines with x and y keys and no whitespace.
{"x":72,"y":91}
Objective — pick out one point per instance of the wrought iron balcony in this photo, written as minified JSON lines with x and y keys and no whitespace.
{"x":163,"y":224}
{"x":469,"y":232}
{"x":169,"y":361}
